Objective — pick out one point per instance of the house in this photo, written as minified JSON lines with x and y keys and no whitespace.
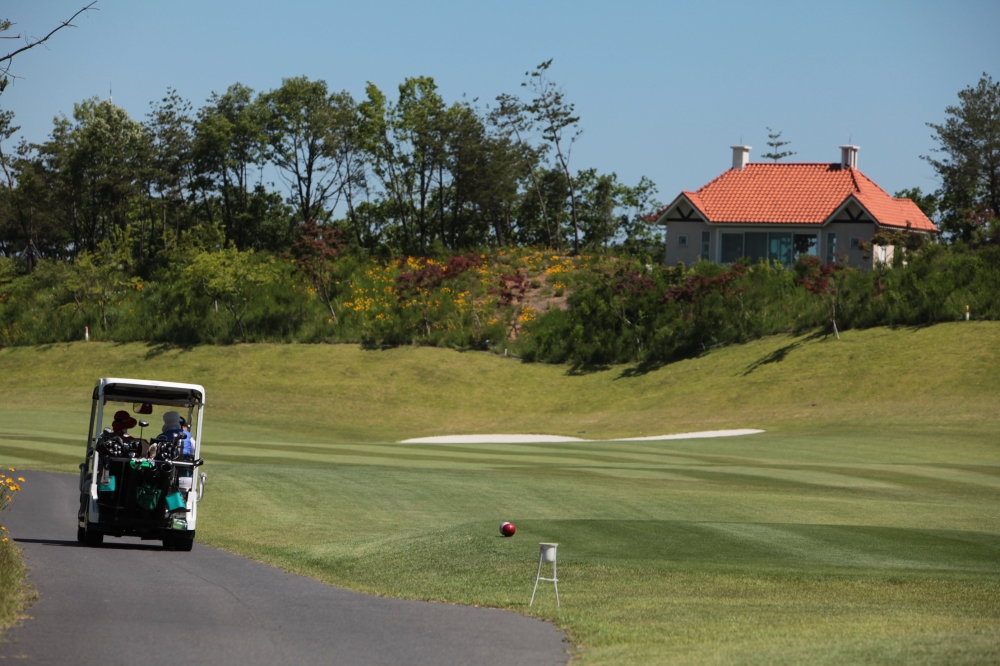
{"x":781,"y":211}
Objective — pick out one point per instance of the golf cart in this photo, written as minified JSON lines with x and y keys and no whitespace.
{"x":136,"y":485}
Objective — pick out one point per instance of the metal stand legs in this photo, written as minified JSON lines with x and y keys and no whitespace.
{"x":546,"y":553}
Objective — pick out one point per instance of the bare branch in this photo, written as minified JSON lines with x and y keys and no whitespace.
{"x":5,"y":69}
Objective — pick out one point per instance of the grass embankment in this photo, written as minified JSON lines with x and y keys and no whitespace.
{"x":15,"y":594}
{"x":862,"y":527}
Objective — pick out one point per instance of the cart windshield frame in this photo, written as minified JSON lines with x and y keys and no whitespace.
{"x":171,"y":394}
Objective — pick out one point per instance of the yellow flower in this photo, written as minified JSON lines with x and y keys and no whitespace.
{"x":4,"y":539}
{"x":12,"y":469}
{"x":21,"y":479}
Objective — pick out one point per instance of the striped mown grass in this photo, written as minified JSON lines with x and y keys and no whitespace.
{"x":862,"y":527}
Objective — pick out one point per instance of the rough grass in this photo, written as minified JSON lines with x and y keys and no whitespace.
{"x":862,"y":527}
{"x":15,"y":594}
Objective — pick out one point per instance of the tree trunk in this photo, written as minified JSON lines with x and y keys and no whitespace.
{"x":572,"y":198}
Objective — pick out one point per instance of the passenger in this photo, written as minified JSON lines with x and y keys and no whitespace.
{"x":189,"y":443}
{"x":174,"y":426}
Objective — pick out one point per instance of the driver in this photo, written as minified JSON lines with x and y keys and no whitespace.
{"x":121,"y":425}
{"x":123,"y":421}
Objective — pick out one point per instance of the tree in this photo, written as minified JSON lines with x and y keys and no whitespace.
{"x":555,"y":117}
{"x":305,"y":127}
{"x":230,"y":149}
{"x":170,"y":169}
{"x":7,"y":60}
{"x":315,"y":255}
{"x":969,"y":164}
{"x":229,"y":277}
{"x":825,"y":281}
{"x":511,"y":117}
{"x":100,"y":277}
{"x":776,"y":144}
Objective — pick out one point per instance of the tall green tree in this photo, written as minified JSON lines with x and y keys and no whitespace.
{"x":306,"y":126}
{"x":512,"y":119}
{"x":968,"y":162}
{"x":559,"y":127}
{"x":170,"y":168}
{"x":229,"y":151}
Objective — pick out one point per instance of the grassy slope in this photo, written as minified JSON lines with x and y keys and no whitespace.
{"x":863,"y":526}
{"x":15,"y":594}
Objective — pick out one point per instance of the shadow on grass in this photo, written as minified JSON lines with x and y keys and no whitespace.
{"x":780,"y":354}
{"x":777,"y":356}
{"x":581,"y":369}
{"x":155,"y":349}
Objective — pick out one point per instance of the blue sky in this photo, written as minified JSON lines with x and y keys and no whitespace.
{"x":662,"y":89}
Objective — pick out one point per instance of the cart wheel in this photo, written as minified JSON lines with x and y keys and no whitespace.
{"x":81,"y":534}
{"x":183,"y":542}
{"x":93,"y":538}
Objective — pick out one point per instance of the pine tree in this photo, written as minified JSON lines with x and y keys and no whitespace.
{"x":776,"y":143}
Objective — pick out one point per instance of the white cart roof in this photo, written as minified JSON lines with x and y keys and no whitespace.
{"x":146,"y":390}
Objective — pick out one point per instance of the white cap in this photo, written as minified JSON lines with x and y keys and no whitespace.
{"x":171,"y":421}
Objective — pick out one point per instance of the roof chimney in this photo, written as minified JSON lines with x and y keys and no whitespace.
{"x":849,"y":157}
{"x":741,"y":156}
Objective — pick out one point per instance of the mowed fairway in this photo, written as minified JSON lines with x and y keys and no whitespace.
{"x":862,"y":527}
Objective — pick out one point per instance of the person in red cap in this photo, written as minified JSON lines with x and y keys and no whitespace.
{"x":121,"y":425}
{"x":123,"y":421}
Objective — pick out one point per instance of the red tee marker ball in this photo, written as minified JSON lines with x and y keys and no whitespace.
{"x":507,"y":529}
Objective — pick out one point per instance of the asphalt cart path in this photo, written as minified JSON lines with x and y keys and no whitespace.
{"x":132,"y":602}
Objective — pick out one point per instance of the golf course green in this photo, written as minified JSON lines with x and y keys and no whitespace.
{"x":863,"y":525}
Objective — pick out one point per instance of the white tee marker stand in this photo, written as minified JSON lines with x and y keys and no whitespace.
{"x":546,"y":553}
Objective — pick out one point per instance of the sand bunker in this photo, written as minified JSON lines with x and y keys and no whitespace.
{"x":541,"y":439}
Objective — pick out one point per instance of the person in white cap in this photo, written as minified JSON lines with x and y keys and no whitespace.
{"x":174,"y":426}
{"x":171,"y":423}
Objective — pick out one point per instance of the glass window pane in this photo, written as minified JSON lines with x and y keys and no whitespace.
{"x":806,"y":245}
{"x":706,"y":241}
{"x":831,"y":248}
{"x":780,"y":247}
{"x":755,"y":246}
{"x":732,"y":248}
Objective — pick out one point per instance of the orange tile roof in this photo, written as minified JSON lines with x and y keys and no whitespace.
{"x":798,"y":193}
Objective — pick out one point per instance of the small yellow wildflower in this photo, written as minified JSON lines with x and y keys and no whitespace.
{"x":21,"y":479}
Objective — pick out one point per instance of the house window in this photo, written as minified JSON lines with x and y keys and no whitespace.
{"x":831,"y":248}
{"x":732,"y":248}
{"x":706,"y":242}
{"x":780,"y":247}
{"x":682,"y":241}
{"x":806,"y":245}
{"x":755,"y":246}
{"x":855,"y":243}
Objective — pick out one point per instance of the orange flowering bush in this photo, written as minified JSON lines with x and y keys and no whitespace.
{"x":9,"y":487}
